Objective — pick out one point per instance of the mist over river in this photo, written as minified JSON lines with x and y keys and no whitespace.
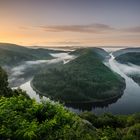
{"x":23,"y":73}
{"x":128,"y":103}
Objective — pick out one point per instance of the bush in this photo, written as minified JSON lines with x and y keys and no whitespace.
{"x":25,"y":119}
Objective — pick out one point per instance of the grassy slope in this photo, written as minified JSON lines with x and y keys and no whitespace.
{"x":85,"y":79}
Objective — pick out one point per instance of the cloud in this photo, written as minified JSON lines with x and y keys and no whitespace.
{"x":68,"y":43}
{"x":129,"y":69}
{"x":96,"y":28}
{"x":23,"y":27}
{"x":132,"y":29}
{"x":91,"y":28}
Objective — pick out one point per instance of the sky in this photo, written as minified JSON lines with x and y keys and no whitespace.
{"x":70,"y":22}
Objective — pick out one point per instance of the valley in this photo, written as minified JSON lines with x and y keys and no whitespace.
{"x":29,"y":103}
{"x":69,"y":70}
{"x":22,"y":76}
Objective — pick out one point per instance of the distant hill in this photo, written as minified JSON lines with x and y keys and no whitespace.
{"x":127,"y":50}
{"x":11,"y":54}
{"x":101,"y":53}
{"x":133,"y":58}
{"x":84,"y":79}
{"x":130,"y":57}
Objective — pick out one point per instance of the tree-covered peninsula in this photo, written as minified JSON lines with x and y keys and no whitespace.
{"x":84,"y":79}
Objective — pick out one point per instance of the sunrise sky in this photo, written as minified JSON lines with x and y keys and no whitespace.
{"x":70,"y":22}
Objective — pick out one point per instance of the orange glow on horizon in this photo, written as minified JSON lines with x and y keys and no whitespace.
{"x":35,"y":36}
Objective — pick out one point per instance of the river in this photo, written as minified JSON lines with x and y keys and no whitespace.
{"x":128,"y":103}
{"x":130,"y":100}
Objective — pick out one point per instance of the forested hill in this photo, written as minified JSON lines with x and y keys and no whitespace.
{"x":102,"y":54}
{"x":131,"y":57}
{"x":126,"y":50}
{"x":84,"y":79}
{"x":11,"y":54}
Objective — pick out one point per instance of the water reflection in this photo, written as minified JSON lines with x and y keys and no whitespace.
{"x":91,"y":106}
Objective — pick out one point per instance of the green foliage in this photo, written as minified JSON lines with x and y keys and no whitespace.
{"x":18,"y":91}
{"x":133,"y":119}
{"x":104,"y":120}
{"x":115,"y":127}
{"x":85,"y":79}
{"x":4,"y":89}
{"x":109,"y":133}
{"x":25,"y":119}
{"x":134,"y":131}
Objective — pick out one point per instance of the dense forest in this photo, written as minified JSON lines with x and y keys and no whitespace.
{"x":84,"y":79}
{"x":22,"y":118}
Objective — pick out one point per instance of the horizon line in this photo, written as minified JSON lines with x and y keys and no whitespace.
{"x":71,"y":46}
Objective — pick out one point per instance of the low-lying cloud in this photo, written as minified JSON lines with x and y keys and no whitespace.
{"x":17,"y":72}
{"x":129,"y":69}
{"x":89,"y":28}
{"x":132,"y":29}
